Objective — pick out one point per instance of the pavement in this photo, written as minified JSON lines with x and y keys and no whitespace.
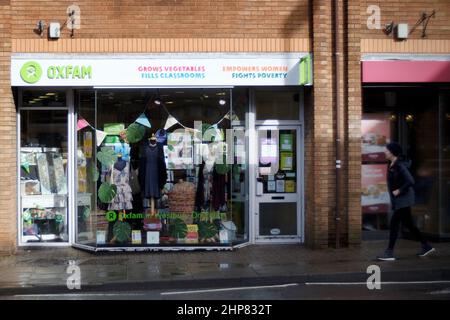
{"x":43,"y":270}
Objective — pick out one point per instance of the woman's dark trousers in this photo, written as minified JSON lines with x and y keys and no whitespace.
{"x":403,"y":216}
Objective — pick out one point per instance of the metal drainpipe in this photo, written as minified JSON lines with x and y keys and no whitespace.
{"x":337,"y":124}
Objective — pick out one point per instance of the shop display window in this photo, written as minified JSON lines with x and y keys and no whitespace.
{"x":43,"y":176}
{"x":154,"y":169}
{"x":417,"y":118}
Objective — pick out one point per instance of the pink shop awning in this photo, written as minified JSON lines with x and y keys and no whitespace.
{"x":411,"y":71}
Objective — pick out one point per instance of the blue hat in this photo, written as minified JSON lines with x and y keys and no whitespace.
{"x":161,"y":136}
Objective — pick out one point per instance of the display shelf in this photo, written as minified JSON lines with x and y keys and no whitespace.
{"x":45,"y":201}
{"x":41,"y":237}
{"x":39,"y":149}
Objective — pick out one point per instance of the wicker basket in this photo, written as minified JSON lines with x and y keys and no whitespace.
{"x":182,"y":199}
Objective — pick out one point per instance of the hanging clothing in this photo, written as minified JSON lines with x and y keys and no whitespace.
{"x":219,"y":186}
{"x":123,"y":199}
{"x":200,"y":196}
{"x":152,"y":171}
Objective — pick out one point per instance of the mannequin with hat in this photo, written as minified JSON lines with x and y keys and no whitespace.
{"x":152,"y":171}
{"x":120,"y":173}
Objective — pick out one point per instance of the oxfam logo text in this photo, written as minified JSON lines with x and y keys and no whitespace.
{"x":31,"y":72}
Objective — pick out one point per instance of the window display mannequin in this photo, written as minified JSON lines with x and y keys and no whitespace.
{"x":120,"y":177}
{"x":152,"y":171}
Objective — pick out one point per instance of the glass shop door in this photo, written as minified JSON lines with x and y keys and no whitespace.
{"x":278,"y":189}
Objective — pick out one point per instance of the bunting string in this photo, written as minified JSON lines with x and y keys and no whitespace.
{"x":143,"y":120}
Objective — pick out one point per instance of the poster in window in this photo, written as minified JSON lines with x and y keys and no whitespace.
{"x":286,"y":160}
{"x":280,"y":186}
{"x":60,"y":185}
{"x":286,"y":142}
{"x":87,"y":144}
{"x":268,"y":154}
{"x":271,"y":187}
{"x":136,"y":237}
{"x":290,"y":186}
{"x":269,"y":151}
{"x":101,"y":237}
{"x":374,"y":191}
{"x":375,"y":134}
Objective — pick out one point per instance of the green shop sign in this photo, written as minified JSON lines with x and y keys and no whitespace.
{"x":31,"y":72}
{"x":69,"y":72}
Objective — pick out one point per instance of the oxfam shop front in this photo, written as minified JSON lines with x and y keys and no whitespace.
{"x":160,"y":152}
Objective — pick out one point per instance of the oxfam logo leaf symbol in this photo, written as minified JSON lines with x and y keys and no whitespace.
{"x":111,"y":216}
{"x":31,"y":72}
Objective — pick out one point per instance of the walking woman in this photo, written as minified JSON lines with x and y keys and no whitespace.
{"x":400,"y":186}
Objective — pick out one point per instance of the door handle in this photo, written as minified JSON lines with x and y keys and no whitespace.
{"x":278,"y":198}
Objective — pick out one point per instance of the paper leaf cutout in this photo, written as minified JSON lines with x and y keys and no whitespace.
{"x":107,"y":192}
{"x":207,"y":230}
{"x":135,"y":133}
{"x":122,"y":231}
{"x":178,"y":229}
{"x":107,"y":157}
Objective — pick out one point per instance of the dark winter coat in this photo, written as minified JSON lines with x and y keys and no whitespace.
{"x":152,"y":171}
{"x":399,"y":178}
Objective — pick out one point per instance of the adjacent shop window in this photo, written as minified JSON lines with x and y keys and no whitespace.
{"x":277,"y":105}
{"x":153,"y":171}
{"x":43,"y":178}
{"x":87,"y":172}
{"x":378,"y":129}
{"x":444,"y":116}
{"x":42,"y":98}
{"x":417,"y":118}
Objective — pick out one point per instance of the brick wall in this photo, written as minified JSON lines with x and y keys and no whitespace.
{"x":320,"y":134}
{"x":320,"y":197}
{"x":437,"y":40}
{"x":168,"y":18}
{"x":353,"y":124}
{"x":401,"y":11}
{"x":8,"y":228}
